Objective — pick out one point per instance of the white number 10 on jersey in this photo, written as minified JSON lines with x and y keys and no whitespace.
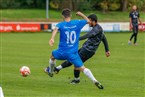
{"x":71,"y":37}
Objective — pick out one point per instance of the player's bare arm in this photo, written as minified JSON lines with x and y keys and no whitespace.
{"x":83,"y":16}
{"x":51,"y":41}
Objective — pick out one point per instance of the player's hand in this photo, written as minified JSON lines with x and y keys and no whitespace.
{"x":83,"y":16}
{"x":51,"y":42}
{"x":108,"y":54}
{"x":131,"y":26}
{"x":79,"y":13}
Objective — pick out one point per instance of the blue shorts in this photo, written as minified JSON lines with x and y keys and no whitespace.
{"x":74,"y":58}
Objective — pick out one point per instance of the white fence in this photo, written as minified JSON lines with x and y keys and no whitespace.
{"x":107,"y":26}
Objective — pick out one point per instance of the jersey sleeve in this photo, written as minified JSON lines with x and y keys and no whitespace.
{"x":58,"y":26}
{"x":138,"y":15}
{"x":82,"y":23}
{"x":105,"y":42}
{"x":130,"y":15}
{"x":90,"y":34}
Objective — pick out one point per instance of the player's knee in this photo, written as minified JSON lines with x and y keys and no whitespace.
{"x":80,"y":68}
{"x":52,"y":61}
{"x":52,"y":57}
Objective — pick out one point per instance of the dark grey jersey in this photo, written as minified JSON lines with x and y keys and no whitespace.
{"x":95,"y":36}
{"x":134,"y":15}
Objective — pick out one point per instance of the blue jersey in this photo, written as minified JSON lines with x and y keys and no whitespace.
{"x":69,"y":35}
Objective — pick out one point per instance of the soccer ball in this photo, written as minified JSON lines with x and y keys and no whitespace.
{"x":25,"y":71}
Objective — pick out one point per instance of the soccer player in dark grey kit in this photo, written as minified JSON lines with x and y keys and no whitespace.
{"x":95,"y":36}
{"x":134,"y":18}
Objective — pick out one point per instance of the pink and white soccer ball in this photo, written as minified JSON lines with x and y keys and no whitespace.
{"x":25,"y":71}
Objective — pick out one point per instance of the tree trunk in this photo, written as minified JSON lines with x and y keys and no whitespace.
{"x":74,"y":5}
{"x":66,"y":4}
{"x":124,"y":5}
{"x":35,"y":3}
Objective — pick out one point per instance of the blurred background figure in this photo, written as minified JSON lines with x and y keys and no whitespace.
{"x":134,"y":18}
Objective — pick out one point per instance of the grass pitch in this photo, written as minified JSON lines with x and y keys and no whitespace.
{"x":122,"y":74}
{"x":55,"y":15}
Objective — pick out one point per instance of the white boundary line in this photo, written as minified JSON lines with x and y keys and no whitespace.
{"x":1,"y":92}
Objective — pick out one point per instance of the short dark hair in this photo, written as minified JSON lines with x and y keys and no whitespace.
{"x":93,"y":17}
{"x":66,"y":12}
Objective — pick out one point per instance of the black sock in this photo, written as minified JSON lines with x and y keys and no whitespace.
{"x":135,"y":38}
{"x":66,"y":64}
{"x":132,"y":36}
{"x":76,"y":73}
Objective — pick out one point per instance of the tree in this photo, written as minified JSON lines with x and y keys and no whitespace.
{"x":67,"y":4}
{"x":104,"y":5}
{"x":35,"y":3}
{"x":123,"y":4}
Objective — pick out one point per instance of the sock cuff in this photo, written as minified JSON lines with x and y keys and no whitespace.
{"x":77,"y":78}
{"x":59,"y":67}
{"x":52,"y":61}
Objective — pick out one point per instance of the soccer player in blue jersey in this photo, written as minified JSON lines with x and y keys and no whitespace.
{"x":89,"y":47}
{"x":68,"y":45}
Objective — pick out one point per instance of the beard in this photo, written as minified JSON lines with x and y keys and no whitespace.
{"x":91,"y":25}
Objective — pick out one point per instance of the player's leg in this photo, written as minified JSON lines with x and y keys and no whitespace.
{"x":75,"y":59}
{"x":78,"y":64}
{"x":63,"y":65}
{"x":129,"y":42}
{"x":49,"y":70}
{"x":84,"y":55}
{"x":132,"y":36}
{"x":56,"y":54}
{"x":76,"y":77}
{"x":89,"y":74}
{"x":135,"y":37}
